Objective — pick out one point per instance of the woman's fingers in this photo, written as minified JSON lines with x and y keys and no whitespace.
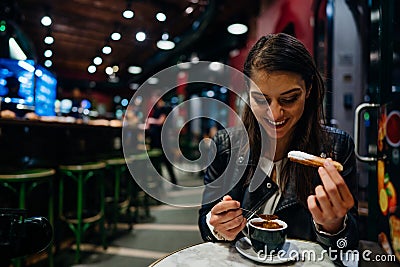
{"x":225,"y":205}
{"x":227,"y":197}
{"x":230,"y":224}
{"x":335,"y":186}
{"x":337,"y":205}
{"x":314,"y":208}
{"x":227,"y":219}
{"x":332,"y":199}
{"x":231,"y":233}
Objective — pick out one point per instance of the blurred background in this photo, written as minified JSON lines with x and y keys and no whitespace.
{"x":69,"y":69}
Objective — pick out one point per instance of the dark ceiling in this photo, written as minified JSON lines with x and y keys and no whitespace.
{"x":82,"y":27}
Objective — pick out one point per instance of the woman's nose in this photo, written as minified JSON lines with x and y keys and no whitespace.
{"x":275,"y":110}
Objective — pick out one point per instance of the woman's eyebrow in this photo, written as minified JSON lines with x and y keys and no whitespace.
{"x":291,"y":91}
{"x":284,"y":93}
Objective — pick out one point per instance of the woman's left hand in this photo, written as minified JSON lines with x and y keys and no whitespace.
{"x":331,"y":201}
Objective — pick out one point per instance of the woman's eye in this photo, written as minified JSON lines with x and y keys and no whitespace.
{"x":260,"y":100}
{"x":289,"y":100}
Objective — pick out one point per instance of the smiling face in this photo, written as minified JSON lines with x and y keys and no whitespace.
{"x":278,"y":102}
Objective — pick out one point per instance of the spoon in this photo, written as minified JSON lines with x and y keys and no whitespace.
{"x":265,"y":217}
{"x":253,"y":213}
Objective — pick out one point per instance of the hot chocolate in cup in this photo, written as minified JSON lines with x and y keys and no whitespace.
{"x":267,"y":238}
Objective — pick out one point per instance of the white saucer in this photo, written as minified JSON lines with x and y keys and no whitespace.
{"x":289,"y":250}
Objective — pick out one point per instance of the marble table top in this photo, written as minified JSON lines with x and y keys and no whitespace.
{"x":240,"y":253}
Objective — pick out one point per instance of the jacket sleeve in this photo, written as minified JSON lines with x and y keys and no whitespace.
{"x":349,"y":237}
{"x":212,"y":193}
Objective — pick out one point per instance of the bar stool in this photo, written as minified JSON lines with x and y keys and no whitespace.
{"x":119,"y":205}
{"x":141,"y":198}
{"x":77,"y":221}
{"x":22,"y":183}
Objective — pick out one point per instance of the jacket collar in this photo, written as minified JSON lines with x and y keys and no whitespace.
{"x":262,"y":187}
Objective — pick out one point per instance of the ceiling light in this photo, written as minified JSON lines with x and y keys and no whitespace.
{"x":106,"y":49}
{"x":153,"y":80}
{"x":234,"y":53}
{"x":38,"y":73}
{"x":134,"y":69}
{"x":91,"y":69}
{"x":124,"y":102}
{"x":139,"y":99}
{"x":215,"y":66}
{"x":165,"y":44}
{"x":46,"y":21}
{"x":115,"y":68}
{"x":48,"y":63}
{"x":109,"y":70}
{"x":189,"y":10}
{"x":161,"y":16}
{"x":49,"y":40}
{"x":184,"y":65}
{"x":97,"y":60}
{"x":48,"y":53}
{"x":237,"y":28}
{"x":133,"y":86}
{"x":115,"y":36}
{"x":210,"y":93}
{"x":165,"y":36}
{"x":223,"y":90}
{"x":140,"y":36}
{"x":128,"y":14}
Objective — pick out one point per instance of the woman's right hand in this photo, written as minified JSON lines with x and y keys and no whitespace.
{"x":227,"y":218}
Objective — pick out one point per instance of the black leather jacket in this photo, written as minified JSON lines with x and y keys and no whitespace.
{"x":289,"y":209}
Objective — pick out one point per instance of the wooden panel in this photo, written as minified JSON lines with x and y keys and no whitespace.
{"x":81,"y":28}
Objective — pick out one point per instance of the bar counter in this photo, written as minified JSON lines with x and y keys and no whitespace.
{"x":38,"y":143}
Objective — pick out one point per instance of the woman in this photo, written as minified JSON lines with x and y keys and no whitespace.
{"x":317,"y":204}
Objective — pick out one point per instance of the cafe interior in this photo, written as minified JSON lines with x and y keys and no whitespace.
{"x":77,"y":183}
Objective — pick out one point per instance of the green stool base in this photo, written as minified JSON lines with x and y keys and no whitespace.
{"x":80,"y":220}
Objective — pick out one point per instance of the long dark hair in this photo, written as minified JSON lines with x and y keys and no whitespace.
{"x":282,"y":52}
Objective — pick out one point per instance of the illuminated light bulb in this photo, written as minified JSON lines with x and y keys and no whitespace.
{"x":48,"y":53}
{"x":237,"y":28}
{"x":48,"y":63}
{"x":161,"y":16}
{"x":134,"y":69}
{"x":92,"y":69}
{"x":165,"y":44}
{"x":46,"y":21}
{"x":140,"y":36}
{"x":189,"y":10}
{"x":116,"y":36}
{"x":106,"y":50}
{"x":128,"y":14}
{"x":109,"y":70}
{"x":49,"y":40}
{"x":97,"y":60}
